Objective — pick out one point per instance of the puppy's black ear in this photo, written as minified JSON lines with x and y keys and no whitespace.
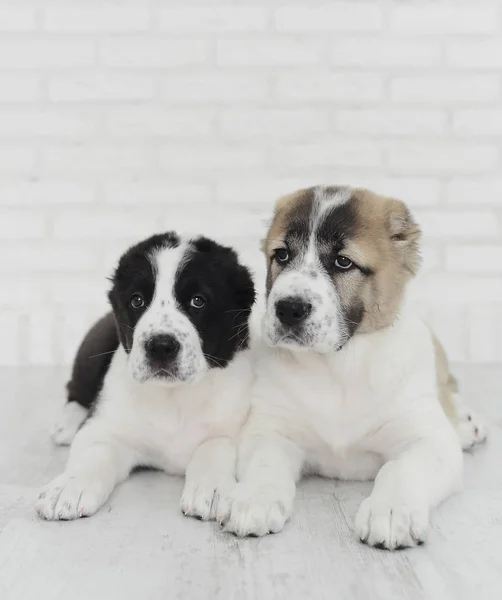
{"x":242,"y":282}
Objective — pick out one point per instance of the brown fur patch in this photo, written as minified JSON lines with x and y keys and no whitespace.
{"x":285,"y":207}
{"x":388,"y":240}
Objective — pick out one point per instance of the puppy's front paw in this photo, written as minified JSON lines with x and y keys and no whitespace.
{"x":471,"y":429}
{"x":70,"y":497}
{"x":256,"y":511}
{"x":391,"y":525}
{"x":201,"y":499}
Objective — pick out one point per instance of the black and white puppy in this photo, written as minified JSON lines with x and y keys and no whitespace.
{"x":170,"y":388}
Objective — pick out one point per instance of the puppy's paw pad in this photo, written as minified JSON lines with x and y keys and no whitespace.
{"x":70,"y":497}
{"x":391,"y":525}
{"x":256,"y":512}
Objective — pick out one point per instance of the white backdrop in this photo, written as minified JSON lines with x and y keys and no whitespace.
{"x":120,"y":119}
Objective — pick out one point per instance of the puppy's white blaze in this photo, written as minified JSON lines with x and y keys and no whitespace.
{"x":164,"y":316}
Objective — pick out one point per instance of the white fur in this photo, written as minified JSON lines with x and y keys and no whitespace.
{"x":369,"y":410}
{"x":188,"y":427}
{"x":71,"y":418}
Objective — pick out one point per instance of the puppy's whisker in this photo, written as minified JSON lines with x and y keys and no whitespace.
{"x":102,"y":354}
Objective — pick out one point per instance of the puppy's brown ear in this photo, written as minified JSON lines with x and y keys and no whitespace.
{"x":406,"y":235}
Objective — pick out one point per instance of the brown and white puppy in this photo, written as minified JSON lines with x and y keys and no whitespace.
{"x":349,"y":382}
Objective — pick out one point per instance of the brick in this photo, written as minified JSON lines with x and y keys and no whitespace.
{"x":79,"y":290}
{"x":342,"y":16}
{"x":45,"y":123}
{"x":477,"y":54}
{"x":16,"y":158}
{"x":415,"y":191}
{"x":150,"y":121}
{"x":480,"y":258}
{"x":476,"y":191}
{"x":93,"y":87}
{"x":213,"y":87}
{"x":390,"y":122}
{"x":17,"y":18}
{"x":443,"y":19}
{"x":48,"y":256}
{"x":458,"y":289}
{"x":259,"y":194}
{"x":46,"y":54}
{"x":330,"y":87}
{"x":21,"y":224}
{"x":19,"y":88}
{"x":114,"y":224}
{"x":214,"y":156}
{"x":271,"y":122}
{"x":478,"y":122}
{"x":465,"y":224}
{"x":445,"y":88}
{"x":161,"y":192}
{"x":484,"y":333}
{"x":215,"y":19}
{"x":442,"y":158}
{"x":40,"y":347}
{"x":209,"y":220}
{"x":152,"y":53}
{"x":27,"y":290}
{"x":342,"y":153}
{"x":9,"y":348}
{"x":262,"y":52}
{"x":105,"y":18}
{"x":45,"y":192}
{"x":378,"y":52}
{"x":97,"y":158}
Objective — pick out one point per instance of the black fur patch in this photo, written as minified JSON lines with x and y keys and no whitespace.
{"x":214,"y":272}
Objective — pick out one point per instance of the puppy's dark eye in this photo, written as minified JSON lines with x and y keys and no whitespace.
{"x":281,"y":255}
{"x":198,"y":302}
{"x":137,"y":301}
{"x":343,"y":263}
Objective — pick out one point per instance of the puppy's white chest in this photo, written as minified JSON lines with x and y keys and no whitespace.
{"x":169,"y":434}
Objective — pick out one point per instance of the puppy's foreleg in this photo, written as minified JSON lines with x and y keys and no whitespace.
{"x":97,"y":462}
{"x":420,"y":474}
{"x":268,"y":467}
{"x":210,"y":478}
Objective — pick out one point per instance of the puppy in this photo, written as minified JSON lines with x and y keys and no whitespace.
{"x":170,"y":388}
{"x":349,"y":383}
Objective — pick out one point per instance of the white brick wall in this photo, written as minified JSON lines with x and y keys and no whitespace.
{"x":121,"y":118}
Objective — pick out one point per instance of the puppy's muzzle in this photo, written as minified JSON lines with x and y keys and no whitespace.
{"x":291,"y":312}
{"x":162,"y":350}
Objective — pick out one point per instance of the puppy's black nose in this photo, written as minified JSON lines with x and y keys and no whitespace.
{"x":292,"y":311}
{"x":162,"y":348}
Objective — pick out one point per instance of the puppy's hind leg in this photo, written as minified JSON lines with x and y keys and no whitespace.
{"x":68,"y":423}
{"x":89,"y":369}
{"x":470,"y":427}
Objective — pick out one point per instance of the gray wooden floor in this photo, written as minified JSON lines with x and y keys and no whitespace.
{"x":140,"y":547}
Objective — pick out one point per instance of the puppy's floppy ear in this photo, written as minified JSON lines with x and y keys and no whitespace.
{"x":406,"y":235}
{"x":243,"y":284}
